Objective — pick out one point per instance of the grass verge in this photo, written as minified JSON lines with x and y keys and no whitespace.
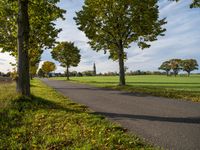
{"x":51,"y":121}
{"x":181,"y":87}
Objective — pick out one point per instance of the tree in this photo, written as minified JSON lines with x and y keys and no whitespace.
{"x":48,"y":67}
{"x":23,"y":80}
{"x":67,"y":54}
{"x":41,"y":73}
{"x":189,"y":65}
{"x":30,"y":23}
{"x":112,"y":25}
{"x":166,"y":66}
{"x":175,"y":65}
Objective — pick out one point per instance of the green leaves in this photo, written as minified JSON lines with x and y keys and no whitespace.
{"x":189,"y":65}
{"x":42,"y":14}
{"x":176,"y":65}
{"x":108,"y":23}
{"x":67,"y":54}
{"x":48,"y":67}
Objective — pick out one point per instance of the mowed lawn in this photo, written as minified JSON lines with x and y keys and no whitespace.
{"x":52,"y":121}
{"x":180,"y":87}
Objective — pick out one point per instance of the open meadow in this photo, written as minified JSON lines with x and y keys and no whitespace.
{"x":180,"y":87}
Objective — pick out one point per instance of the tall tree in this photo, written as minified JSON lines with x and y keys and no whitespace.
{"x":67,"y":54}
{"x":34,"y":29}
{"x":48,"y":67}
{"x":166,"y":67}
{"x":112,"y":25}
{"x":189,"y":65}
{"x":23,"y":80}
{"x":175,"y":65}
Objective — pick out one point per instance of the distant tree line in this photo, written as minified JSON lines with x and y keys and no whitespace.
{"x":176,"y":65}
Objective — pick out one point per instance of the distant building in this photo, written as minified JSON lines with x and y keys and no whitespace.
{"x":94,"y":70}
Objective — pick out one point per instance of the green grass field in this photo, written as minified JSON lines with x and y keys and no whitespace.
{"x":51,"y":121}
{"x":181,"y":87}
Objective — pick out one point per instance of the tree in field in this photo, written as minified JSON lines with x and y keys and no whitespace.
{"x":175,"y":65}
{"x":48,"y":67}
{"x":112,"y":25}
{"x":189,"y":65}
{"x":27,"y":25}
{"x":166,"y":67}
{"x":67,"y":54}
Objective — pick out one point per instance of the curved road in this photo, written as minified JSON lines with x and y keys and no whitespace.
{"x":163,"y":122}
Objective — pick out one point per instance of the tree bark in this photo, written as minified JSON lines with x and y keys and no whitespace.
{"x":67,"y":72}
{"x":122,"y":81}
{"x":167,"y":73}
{"x":188,"y":74}
{"x":23,"y":81}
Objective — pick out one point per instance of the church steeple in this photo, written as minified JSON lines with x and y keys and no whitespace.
{"x":94,"y":70}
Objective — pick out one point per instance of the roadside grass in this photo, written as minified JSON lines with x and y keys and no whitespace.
{"x":51,"y":121}
{"x":180,"y":87}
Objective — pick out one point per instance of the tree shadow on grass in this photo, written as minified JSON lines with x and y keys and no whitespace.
{"x":12,"y":117}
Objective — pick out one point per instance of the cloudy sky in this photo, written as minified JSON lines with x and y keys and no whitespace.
{"x":182,"y":40}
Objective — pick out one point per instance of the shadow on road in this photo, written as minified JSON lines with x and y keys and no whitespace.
{"x":190,"y":120}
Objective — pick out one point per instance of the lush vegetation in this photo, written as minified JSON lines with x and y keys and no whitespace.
{"x":67,"y":54}
{"x":139,"y":23}
{"x":48,"y":67}
{"x":177,"y":65}
{"x":51,"y":121}
{"x":180,"y":87}
{"x":27,"y":28}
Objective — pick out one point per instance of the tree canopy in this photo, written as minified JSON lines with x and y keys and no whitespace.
{"x":176,"y":65}
{"x":112,"y":25}
{"x":26,"y":26}
{"x":67,"y":54}
{"x":43,"y":32}
{"x":48,"y":67}
{"x":189,"y":65}
{"x":165,"y":66}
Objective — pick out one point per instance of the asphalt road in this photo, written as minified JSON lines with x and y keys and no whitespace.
{"x":171,"y":124}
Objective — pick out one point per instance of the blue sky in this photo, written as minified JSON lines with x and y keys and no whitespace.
{"x":182,"y":40}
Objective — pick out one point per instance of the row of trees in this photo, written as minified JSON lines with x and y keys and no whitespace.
{"x":27,"y":28}
{"x":177,"y":65}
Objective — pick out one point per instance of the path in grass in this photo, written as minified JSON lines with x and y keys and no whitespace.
{"x":52,"y":121}
{"x":180,"y":87}
{"x":168,"y":123}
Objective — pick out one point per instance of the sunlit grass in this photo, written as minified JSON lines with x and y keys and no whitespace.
{"x":181,"y":87}
{"x":51,"y":121}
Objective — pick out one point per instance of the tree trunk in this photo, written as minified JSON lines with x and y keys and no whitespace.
{"x":122,"y":81}
{"x":188,"y":74}
{"x":23,"y":81}
{"x":67,"y":72}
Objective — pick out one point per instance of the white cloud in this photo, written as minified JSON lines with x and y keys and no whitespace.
{"x":5,"y":60}
{"x":181,"y":40}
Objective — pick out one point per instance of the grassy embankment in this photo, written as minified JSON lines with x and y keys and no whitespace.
{"x":180,"y":87}
{"x":51,"y":121}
